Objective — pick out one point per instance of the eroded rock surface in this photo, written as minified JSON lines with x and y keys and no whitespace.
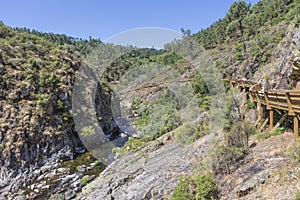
{"x":150,"y":173}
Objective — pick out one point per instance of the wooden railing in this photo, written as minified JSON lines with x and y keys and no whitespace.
{"x":287,"y":100}
{"x":270,"y":100}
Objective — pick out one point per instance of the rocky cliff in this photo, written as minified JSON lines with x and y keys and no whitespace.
{"x":36,"y":118}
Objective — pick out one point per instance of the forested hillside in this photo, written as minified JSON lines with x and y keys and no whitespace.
{"x":250,"y":33}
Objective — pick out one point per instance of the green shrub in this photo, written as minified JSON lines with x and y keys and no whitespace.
{"x":250,"y":104}
{"x":277,"y":131}
{"x":185,"y":189}
{"x":252,"y":130}
{"x":131,"y":145}
{"x":60,"y":104}
{"x":85,"y":180}
{"x":202,"y":187}
{"x":186,"y":134}
{"x":297,"y":23}
{"x":225,"y":159}
{"x":238,"y":135}
{"x":239,"y":55}
{"x":87,"y":131}
{"x":206,"y":187}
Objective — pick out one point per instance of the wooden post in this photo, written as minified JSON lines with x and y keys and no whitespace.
{"x":263,"y":125}
{"x":267,"y":100}
{"x":296,"y":126}
{"x":280,"y":121}
{"x":261,"y":114}
{"x":289,"y":103}
{"x":271,"y":119}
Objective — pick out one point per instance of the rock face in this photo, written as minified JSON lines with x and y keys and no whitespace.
{"x":150,"y":173}
{"x":296,"y":40}
{"x":36,"y":118}
{"x":295,"y":75}
{"x":275,"y":75}
{"x":35,"y":127}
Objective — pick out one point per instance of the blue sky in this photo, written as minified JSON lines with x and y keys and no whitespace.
{"x":105,"y":18}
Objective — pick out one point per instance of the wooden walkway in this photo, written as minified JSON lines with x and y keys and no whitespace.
{"x":269,"y":101}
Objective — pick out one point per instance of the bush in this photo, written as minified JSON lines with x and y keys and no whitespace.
{"x":297,"y":25}
{"x":202,"y":187}
{"x":277,"y":131}
{"x":225,"y":158}
{"x":206,"y":187}
{"x":238,"y":135}
{"x":250,"y":104}
{"x":238,"y":52}
{"x":187,"y":133}
{"x":252,"y":130}
{"x":85,"y":180}
{"x":87,"y":131}
{"x":131,"y":145}
{"x":185,"y":189}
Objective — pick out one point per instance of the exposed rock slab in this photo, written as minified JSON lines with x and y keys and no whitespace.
{"x":150,"y":173}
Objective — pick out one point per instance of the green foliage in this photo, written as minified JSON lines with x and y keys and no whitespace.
{"x":135,"y":58}
{"x":201,"y":91}
{"x":186,"y":134}
{"x":238,"y":11}
{"x":252,"y":129}
{"x":185,"y":189}
{"x":87,"y":131}
{"x":131,"y":145}
{"x":278,"y":131}
{"x":60,"y":104}
{"x":83,"y":46}
{"x":297,"y":195}
{"x":263,"y":136}
{"x":236,"y":138}
{"x":58,"y":197}
{"x":238,"y":135}
{"x":159,"y":117}
{"x":250,"y":104}
{"x":85,"y":180}
{"x":42,"y":100}
{"x":142,"y":111}
{"x":231,"y":111}
{"x":238,"y":52}
{"x":201,"y":187}
{"x":225,"y":159}
{"x":206,"y":187}
{"x":245,"y":22}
